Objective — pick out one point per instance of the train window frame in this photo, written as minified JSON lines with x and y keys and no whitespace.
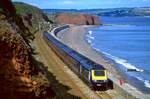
{"x":85,"y":73}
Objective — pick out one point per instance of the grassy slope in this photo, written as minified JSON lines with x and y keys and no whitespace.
{"x":31,"y":15}
{"x":23,"y":8}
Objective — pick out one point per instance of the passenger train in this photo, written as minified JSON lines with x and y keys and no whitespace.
{"x":95,"y":75}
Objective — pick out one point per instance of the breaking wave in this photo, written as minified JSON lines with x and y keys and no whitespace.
{"x":123,"y":62}
{"x":90,"y":37}
{"x":146,"y":82}
{"x":118,"y":60}
{"x":127,"y":65}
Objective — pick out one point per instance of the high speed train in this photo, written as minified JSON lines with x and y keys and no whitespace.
{"x":95,"y":75}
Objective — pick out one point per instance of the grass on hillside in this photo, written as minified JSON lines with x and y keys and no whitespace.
{"x":23,"y":8}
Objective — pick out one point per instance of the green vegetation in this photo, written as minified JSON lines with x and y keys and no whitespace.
{"x":24,"y":16}
{"x":23,"y":8}
{"x":31,"y":15}
{"x":52,"y":17}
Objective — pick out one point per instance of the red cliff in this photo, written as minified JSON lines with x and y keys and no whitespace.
{"x":78,"y":19}
{"x":20,"y":77}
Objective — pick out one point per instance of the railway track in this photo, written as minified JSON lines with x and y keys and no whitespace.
{"x":49,"y":58}
{"x":44,"y":52}
{"x":103,"y":95}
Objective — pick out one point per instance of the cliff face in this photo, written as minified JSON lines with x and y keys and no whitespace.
{"x":19,"y":76}
{"x":15,"y":64}
{"x":78,"y":19}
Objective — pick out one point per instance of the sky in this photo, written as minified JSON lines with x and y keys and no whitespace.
{"x":86,"y":4}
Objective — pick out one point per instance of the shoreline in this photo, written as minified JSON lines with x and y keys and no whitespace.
{"x":85,"y":48}
{"x":75,"y":37}
{"x":131,"y":80}
{"x":120,"y":73}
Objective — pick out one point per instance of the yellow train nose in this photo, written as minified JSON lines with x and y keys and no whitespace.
{"x":99,"y":75}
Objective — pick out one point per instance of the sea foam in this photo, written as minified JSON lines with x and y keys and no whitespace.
{"x":127,"y":65}
{"x":146,"y":82}
{"x":90,"y":37}
{"x":123,"y":62}
{"x":89,"y":41}
{"x":120,"y":61}
{"x":90,"y":32}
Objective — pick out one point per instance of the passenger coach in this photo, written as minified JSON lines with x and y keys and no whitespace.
{"x":92,"y":73}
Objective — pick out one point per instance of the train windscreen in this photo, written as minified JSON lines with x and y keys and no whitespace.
{"x":99,"y":73}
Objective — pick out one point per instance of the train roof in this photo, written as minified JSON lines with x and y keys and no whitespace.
{"x":84,"y":61}
{"x":98,"y":67}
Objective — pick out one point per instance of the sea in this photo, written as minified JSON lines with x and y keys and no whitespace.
{"x":125,"y":41}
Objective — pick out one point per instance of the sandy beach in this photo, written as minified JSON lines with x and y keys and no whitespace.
{"x":75,"y":37}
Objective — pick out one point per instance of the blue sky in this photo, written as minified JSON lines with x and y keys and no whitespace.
{"x":86,"y":4}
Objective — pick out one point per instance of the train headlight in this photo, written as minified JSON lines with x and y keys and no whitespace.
{"x":95,"y":80}
{"x":104,"y":80}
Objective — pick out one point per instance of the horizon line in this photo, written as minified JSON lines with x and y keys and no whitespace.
{"x":91,"y":8}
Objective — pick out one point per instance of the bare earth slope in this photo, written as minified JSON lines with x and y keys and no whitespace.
{"x":20,"y":77}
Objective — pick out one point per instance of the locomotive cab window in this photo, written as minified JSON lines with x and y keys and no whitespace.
{"x":99,"y":73}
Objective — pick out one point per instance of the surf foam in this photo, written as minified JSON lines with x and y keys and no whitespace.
{"x":146,"y":82}
{"x":90,"y":37}
{"x":90,"y":32}
{"x":123,"y":62}
{"x":127,"y":65}
{"x":120,"y":61}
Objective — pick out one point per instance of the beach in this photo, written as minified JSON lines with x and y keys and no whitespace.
{"x":75,"y":37}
